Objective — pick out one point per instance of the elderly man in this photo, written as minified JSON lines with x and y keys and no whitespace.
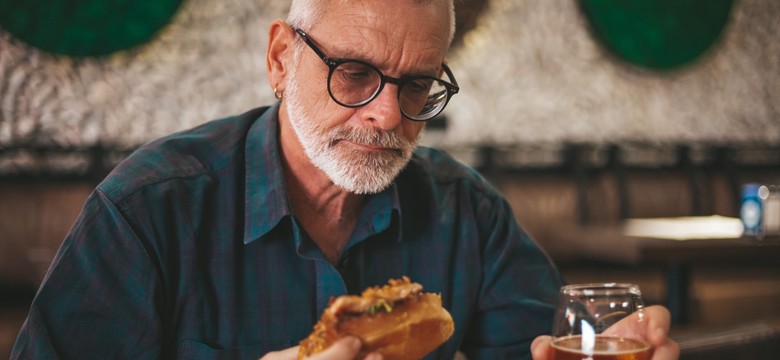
{"x":228,"y":240}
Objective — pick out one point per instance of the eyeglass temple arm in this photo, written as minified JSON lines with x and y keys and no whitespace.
{"x":451,"y":77}
{"x":311,"y":44}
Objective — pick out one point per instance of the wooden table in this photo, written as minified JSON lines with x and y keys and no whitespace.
{"x":614,"y":244}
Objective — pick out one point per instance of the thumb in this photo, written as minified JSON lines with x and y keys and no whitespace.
{"x":540,"y":348}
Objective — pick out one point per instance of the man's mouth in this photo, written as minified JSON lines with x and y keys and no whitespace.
{"x":368,"y":147}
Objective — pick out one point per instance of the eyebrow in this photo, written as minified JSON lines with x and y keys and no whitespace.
{"x":349,"y":53}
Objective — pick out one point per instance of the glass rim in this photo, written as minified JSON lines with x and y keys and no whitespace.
{"x":450,"y":87}
{"x":600,"y":288}
{"x":380,"y":83}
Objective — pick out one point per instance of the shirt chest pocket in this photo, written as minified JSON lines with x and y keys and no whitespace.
{"x":196,"y":350}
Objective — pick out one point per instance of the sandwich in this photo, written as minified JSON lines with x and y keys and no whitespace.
{"x":397,"y":320}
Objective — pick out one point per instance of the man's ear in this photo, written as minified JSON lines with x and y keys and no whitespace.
{"x":279,"y":54}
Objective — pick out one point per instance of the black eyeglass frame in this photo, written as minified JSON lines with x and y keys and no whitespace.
{"x":332,"y":63}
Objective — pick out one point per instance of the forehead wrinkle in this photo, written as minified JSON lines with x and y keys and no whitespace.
{"x":357,"y":44}
{"x":429,"y":56}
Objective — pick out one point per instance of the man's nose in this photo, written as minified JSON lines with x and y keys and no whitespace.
{"x":384,"y":112}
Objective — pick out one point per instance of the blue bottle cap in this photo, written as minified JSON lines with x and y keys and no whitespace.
{"x":750,"y":190}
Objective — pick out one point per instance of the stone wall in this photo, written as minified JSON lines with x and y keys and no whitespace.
{"x":531,"y":72}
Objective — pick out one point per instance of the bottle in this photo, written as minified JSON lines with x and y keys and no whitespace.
{"x":751,"y":211}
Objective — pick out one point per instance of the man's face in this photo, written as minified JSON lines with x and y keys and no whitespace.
{"x":363,"y":149}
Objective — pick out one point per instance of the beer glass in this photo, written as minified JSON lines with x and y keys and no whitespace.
{"x":582,"y":329}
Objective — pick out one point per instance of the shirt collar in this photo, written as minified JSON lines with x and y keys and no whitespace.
{"x":265,"y":194}
{"x":266,"y":200}
{"x":377,"y":215}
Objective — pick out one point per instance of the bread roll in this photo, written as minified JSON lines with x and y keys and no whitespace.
{"x":397,"y":320}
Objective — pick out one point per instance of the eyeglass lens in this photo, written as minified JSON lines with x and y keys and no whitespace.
{"x":355,"y":84}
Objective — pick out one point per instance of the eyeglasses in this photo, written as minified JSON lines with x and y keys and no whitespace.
{"x":354,"y":83}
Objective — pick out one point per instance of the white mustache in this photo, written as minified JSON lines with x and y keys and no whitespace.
{"x":370,"y":137}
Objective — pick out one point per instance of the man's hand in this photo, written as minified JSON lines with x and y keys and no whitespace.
{"x":346,"y":348}
{"x":654,"y":328}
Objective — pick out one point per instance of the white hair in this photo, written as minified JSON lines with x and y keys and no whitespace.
{"x":305,"y":13}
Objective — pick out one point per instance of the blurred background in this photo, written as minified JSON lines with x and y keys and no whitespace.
{"x":585,"y":114}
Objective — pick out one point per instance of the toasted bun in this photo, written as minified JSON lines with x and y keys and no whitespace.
{"x":397,"y":321}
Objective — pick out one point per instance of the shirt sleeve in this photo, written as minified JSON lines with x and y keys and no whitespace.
{"x":100,"y":297}
{"x":517,"y":296}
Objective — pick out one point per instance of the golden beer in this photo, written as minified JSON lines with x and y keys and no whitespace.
{"x":605,"y":348}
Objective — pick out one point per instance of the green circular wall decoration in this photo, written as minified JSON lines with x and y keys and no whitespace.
{"x":85,"y":27}
{"x":658,"y":34}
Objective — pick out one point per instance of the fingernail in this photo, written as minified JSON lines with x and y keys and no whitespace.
{"x":354,"y":343}
{"x":373,"y":356}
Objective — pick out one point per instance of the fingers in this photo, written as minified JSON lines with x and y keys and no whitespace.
{"x":658,"y":323}
{"x":657,"y":333}
{"x":286,"y":354}
{"x":668,"y":351}
{"x":540,"y":348}
{"x":373,"y":356}
{"x":344,"y":348}
{"x":652,"y":326}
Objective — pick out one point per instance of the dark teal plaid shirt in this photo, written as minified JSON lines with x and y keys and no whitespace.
{"x":188,"y":249}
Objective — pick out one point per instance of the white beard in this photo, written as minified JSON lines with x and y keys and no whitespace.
{"x":360,"y":172}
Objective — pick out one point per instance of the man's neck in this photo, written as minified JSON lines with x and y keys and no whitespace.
{"x":327,"y":212}
{"x":313,"y":192}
